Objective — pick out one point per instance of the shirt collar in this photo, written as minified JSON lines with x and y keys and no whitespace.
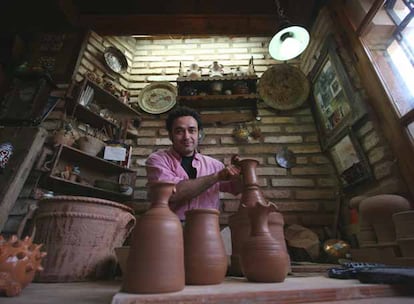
{"x":178,"y":156}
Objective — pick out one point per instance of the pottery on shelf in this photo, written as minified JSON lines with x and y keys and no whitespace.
{"x":156,"y":257}
{"x":204,"y":253}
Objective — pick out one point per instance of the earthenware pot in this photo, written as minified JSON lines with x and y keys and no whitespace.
{"x":205,"y":256}
{"x":156,"y":258}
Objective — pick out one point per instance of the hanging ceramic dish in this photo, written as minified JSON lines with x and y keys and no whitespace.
{"x":115,"y":60}
{"x":283,"y":87}
{"x":157,"y":97}
{"x":286,"y":158}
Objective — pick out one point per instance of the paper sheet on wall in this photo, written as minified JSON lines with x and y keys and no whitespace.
{"x":115,"y":153}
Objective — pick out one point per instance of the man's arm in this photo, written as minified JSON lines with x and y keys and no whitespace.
{"x":188,"y":189}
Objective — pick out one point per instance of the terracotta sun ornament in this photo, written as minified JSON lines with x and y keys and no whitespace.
{"x":19,"y":261}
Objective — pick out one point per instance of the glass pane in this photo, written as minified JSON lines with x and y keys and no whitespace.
{"x":397,"y":10}
{"x":392,"y":54}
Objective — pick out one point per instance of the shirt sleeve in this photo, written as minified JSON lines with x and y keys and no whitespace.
{"x":160,"y":168}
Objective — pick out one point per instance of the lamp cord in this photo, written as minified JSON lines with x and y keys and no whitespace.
{"x":280,"y":11}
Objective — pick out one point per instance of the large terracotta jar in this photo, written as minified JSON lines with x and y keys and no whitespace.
{"x":205,"y":255}
{"x":156,"y":259}
{"x":262,"y":258}
{"x":79,"y":235}
{"x":376,"y":212}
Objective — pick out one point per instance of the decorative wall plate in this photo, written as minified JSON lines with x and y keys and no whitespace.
{"x":283,"y":87}
{"x":157,"y":97}
{"x":115,"y":60}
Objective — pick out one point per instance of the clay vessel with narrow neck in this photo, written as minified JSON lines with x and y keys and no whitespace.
{"x":156,"y":259}
{"x":262,"y":258}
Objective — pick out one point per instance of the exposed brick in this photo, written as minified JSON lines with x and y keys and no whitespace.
{"x":367,"y":127}
{"x":370,"y":141}
{"x":140,"y":171}
{"x":152,"y":123}
{"x":311,"y":139}
{"x":320,"y":170}
{"x":301,"y":129}
{"x":297,"y":206}
{"x":276,"y":194}
{"x":306,"y":149}
{"x":283,"y":139}
{"x":327,"y":182}
{"x":146,"y":141}
{"x":278,"y":120}
{"x":220,"y":150}
{"x":140,"y":182}
{"x":270,"y":171}
{"x":292,"y":182}
{"x":384,"y":169}
{"x":141,"y":151}
{"x":146,"y":132}
{"x":270,"y":129}
{"x":377,"y":154}
{"x":140,"y":195}
{"x":315,"y":194}
{"x":320,"y":160}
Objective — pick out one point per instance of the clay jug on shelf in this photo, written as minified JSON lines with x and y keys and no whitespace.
{"x":204,"y":252}
{"x":262,"y":258}
{"x":156,"y":259}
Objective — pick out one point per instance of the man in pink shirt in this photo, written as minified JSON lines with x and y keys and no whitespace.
{"x":199,"y":178}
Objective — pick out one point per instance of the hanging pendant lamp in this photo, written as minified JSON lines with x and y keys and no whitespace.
{"x":290,"y":40}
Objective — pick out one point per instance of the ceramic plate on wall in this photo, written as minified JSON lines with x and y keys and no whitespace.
{"x":283,"y":87}
{"x":157,"y":97}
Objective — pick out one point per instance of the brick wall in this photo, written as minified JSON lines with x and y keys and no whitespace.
{"x":307,"y":194}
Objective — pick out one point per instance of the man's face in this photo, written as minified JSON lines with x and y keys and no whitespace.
{"x":184,"y":135}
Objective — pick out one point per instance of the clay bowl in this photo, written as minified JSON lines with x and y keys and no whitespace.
{"x":404,"y":224}
{"x":122,"y":256}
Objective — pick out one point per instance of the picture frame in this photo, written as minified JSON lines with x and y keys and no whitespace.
{"x":335,"y":103}
{"x":349,"y":160}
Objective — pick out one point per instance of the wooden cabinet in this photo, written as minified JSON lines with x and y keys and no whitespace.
{"x":96,"y":177}
{"x":231,"y":92}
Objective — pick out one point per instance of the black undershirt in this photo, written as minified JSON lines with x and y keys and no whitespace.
{"x":186,"y":163}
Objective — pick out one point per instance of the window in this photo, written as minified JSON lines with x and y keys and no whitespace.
{"x":390,"y":39}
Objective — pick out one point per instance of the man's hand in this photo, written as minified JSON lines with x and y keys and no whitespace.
{"x":228,"y":173}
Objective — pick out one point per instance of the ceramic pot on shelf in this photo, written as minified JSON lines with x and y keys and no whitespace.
{"x":204,"y":252}
{"x":156,"y":259}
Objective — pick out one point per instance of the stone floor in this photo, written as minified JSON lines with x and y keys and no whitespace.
{"x":309,"y":289}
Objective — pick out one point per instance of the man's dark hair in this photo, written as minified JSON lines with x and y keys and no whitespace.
{"x":180,"y":112}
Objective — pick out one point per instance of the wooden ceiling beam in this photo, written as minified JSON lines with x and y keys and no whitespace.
{"x":257,"y":25}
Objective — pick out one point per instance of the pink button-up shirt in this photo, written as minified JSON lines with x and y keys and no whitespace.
{"x":165,"y":165}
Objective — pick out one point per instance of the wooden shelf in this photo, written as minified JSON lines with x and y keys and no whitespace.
{"x":68,"y":187}
{"x":219,"y":101}
{"x":198,"y":93}
{"x":106,"y":100}
{"x":92,"y":168}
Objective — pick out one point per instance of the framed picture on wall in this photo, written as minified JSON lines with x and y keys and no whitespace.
{"x":336,"y":105}
{"x":349,"y":160}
